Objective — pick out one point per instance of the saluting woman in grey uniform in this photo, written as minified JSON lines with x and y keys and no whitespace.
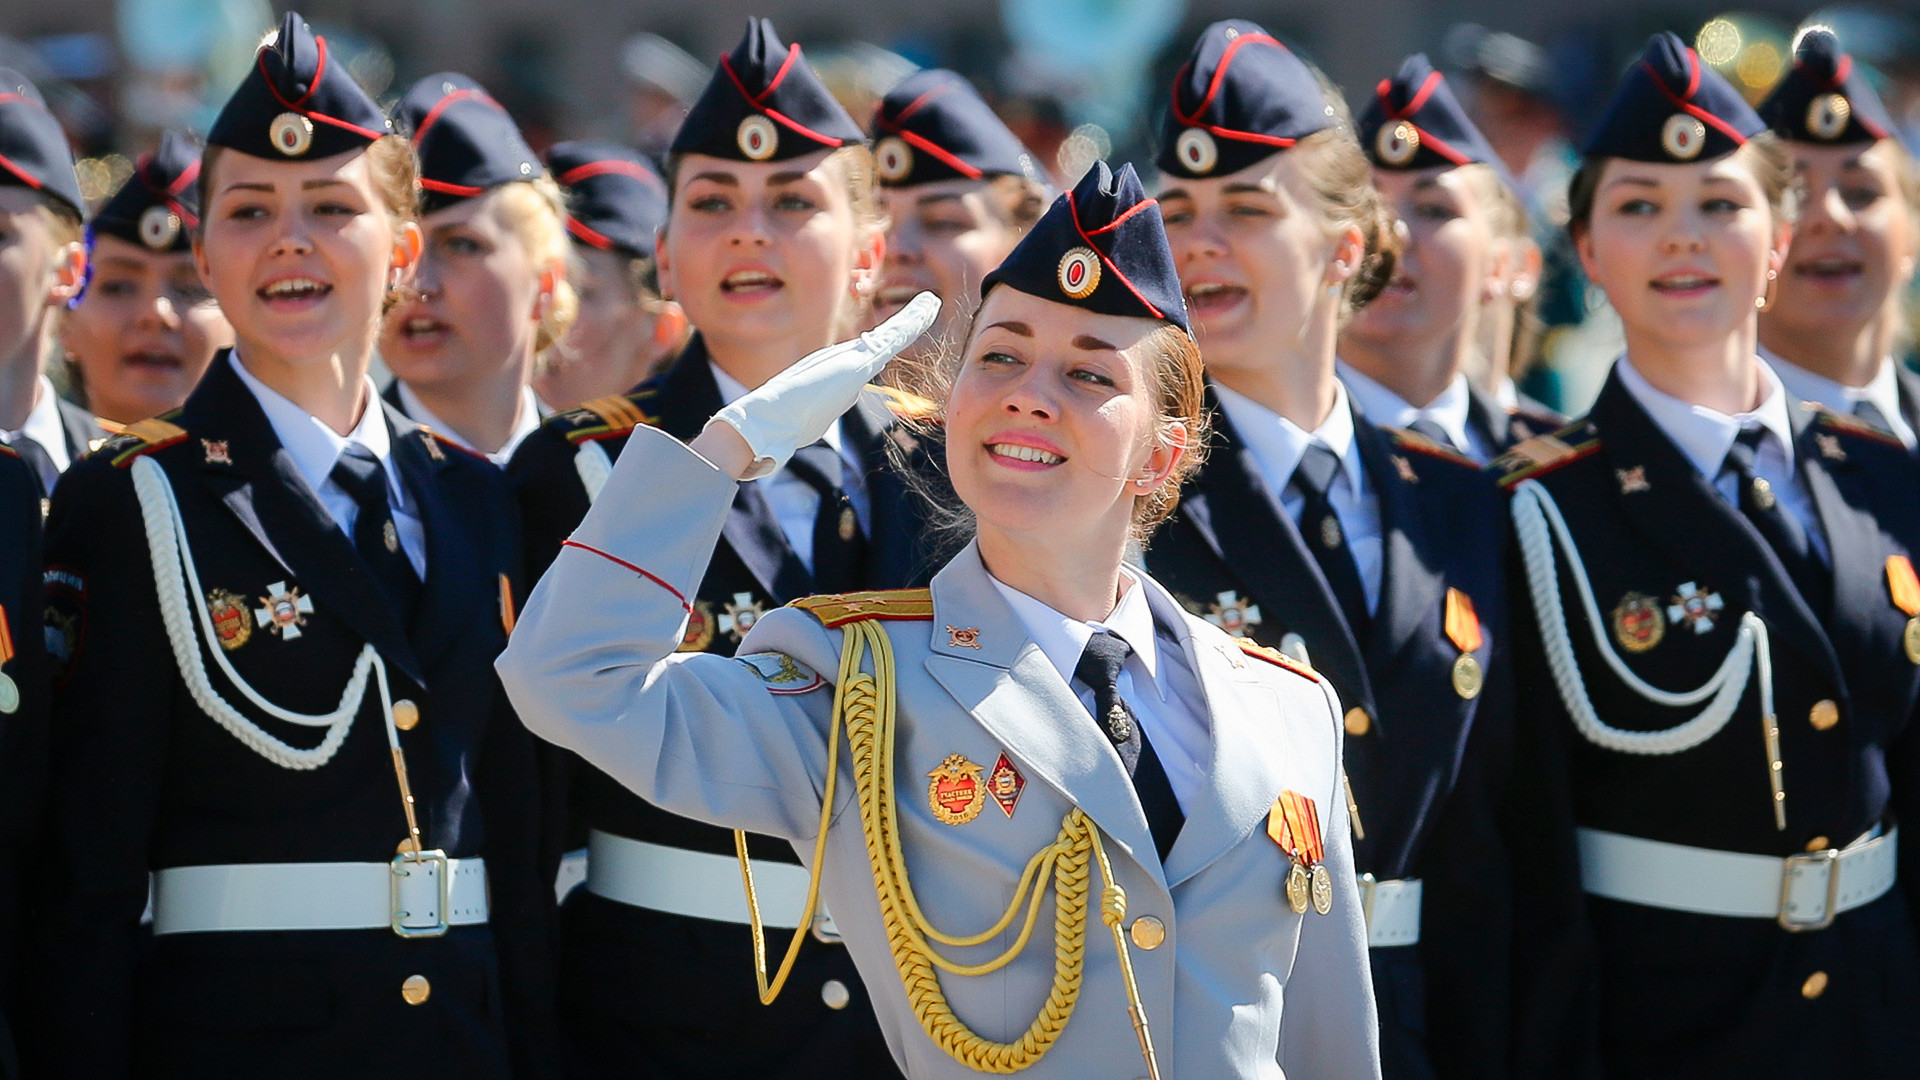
{"x":1042,"y":719}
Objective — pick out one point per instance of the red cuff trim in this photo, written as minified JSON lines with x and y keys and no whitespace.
{"x":677,"y":594}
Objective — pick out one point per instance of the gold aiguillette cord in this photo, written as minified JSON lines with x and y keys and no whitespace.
{"x":406,"y":801}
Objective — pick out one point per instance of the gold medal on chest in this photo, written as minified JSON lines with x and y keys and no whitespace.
{"x":1322,"y":889}
{"x":955,"y":790}
{"x":1299,"y":889}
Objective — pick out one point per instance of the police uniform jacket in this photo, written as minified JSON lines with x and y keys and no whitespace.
{"x":144,"y":779}
{"x":23,"y":727}
{"x":1502,"y":427}
{"x":634,"y":969}
{"x":1661,"y":992}
{"x":1240,"y":984}
{"x":1416,"y":749}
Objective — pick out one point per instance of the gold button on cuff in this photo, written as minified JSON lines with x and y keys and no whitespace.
{"x":835,"y":994}
{"x":415,"y":990}
{"x":1818,"y":843}
{"x":1815,"y":985}
{"x":405,"y":714}
{"x":1358,"y":722}
{"x":1824,"y":715}
{"x":1148,"y":932}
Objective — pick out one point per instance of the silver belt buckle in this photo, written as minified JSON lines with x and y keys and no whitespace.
{"x":402,"y":869}
{"x":1828,"y":857}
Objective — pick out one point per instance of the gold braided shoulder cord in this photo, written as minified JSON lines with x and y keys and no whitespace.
{"x":866,"y":705}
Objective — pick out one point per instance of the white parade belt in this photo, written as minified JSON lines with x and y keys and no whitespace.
{"x":1392,"y":910}
{"x":1801,"y":892}
{"x":413,"y":898}
{"x":697,"y":884}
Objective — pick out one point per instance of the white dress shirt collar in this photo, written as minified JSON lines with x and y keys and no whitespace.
{"x":1386,"y":408}
{"x":1883,"y":392}
{"x":1278,"y":444}
{"x":44,"y":425}
{"x":1062,"y":639}
{"x":315,"y":447}
{"x":1705,"y":435}
{"x":525,"y":423}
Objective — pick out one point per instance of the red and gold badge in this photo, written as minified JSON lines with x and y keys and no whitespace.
{"x":699,"y":633}
{"x":1638,"y":624}
{"x":1005,"y":784}
{"x":955,"y":791}
{"x":232,"y":624}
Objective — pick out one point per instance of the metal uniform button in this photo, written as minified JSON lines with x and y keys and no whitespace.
{"x":1763,"y":493}
{"x":1358,"y":722}
{"x":835,"y":994}
{"x":1824,"y":715}
{"x":1148,"y":932}
{"x":405,"y":714}
{"x":1815,"y":985}
{"x":415,"y":990}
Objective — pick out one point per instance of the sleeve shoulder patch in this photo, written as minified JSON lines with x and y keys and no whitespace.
{"x":1853,"y":426}
{"x":1413,"y":441}
{"x":1276,"y":658}
{"x":1544,"y":453}
{"x":140,"y":438}
{"x":781,"y":673}
{"x":838,"y":609}
{"x":605,"y":418}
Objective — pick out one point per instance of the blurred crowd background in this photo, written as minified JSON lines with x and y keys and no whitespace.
{"x":1077,"y":79}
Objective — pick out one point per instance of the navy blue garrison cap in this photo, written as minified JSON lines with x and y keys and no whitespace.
{"x":1101,"y":246}
{"x":935,"y":126}
{"x":615,"y":201}
{"x":1824,"y":98}
{"x":1670,"y":107}
{"x":764,"y":104}
{"x":297,"y":102}
{"x":466,"y":142}
{"x":1415,"y":122}
{"x":33,"y":148}
{"x":159,"y":205}
{"x":1242,"y":96}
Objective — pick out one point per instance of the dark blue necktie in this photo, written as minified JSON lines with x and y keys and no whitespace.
{"x":1781,"y":530}
{"x":1099,"y":670}
{"x":1325,"y":537}
{"x":839,"y":548}
{"x":375,"y":535}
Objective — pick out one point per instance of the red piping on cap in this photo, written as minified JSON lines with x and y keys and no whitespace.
{"x":25,"y":177}
{"x":793,"y":53}
{"x":582,"y":232}
{"x":1074,"y":210}
{"x":892,"y":127}
{"x":1219,"y":73}
{"x":1685,"y":105}
{"x":433,"y":114}
{"x":1414,"y":105}
{"x":445,"y":188}
{"x":320,"y":70}
{"x":602,"y":168}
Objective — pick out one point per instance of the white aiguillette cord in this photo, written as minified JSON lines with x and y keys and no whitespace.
{"x":594,"y":466}
{"x":176,"y":578}
{"x":1538,"y":523}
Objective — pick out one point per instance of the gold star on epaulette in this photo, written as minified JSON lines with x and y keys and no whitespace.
{"x":606,"y":417}
{"x":838,"y":609}
{"x":1544,"y":453}
{"x":143,"y":437}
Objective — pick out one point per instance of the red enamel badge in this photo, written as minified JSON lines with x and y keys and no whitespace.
{"x":1005,"y":783}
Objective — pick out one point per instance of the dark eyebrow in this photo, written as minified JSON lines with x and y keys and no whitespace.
{"x":786,"y":178}
{"x":1092,"y":344}
{"x":1013,"y":327}
{"x":1246,"y":189}
{"x":253,"y":186}
{"x":1426,"y":183}
{"x":1636,"y":181}
{"x":936,"y":197}
{"x":1175,"y":193}
{"x":716,"y":177}
{"x":327,"y":181}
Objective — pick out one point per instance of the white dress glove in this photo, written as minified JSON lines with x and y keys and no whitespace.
{"x":796,"y":407}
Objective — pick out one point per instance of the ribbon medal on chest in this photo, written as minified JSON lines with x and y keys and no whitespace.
{"x":1463,"y":629}
{"x":1904,"y":588}
{"x":1294,"y":824}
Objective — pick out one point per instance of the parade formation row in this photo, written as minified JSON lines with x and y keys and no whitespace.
{"x":1101,"y":634}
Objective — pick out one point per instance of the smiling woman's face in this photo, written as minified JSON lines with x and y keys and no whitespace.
{"x":943,"y":237}
{"x":299,"y":253}
{"x":1853,"y":245}
{"x":143,"y":333}
{"x":1053,"y":422}
{"x":1682,"y":251}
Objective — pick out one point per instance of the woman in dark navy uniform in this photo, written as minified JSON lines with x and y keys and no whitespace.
{"x":771,"y":246}
{"x":145,"y":329}
{"x":1405,"y":357}
{"x":1372,"y":553}
{"x":23,"y":723}
{"x":1833,"y":330}
{"x":1716,"y":650}
{"x":490,"y":290}
{"x":275,"y":610}
{"x":959,"y":190}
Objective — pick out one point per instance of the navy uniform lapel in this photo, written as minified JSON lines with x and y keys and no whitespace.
{"x":1485,"y":414}
{"x":1010,"y":687}
{"x":896,"y":531}
{"x":1909,"y":384}
{"x":1680,"y":513}
{"x":257,"y":480}
{"x":1410,"y":577}
{"x":1257,"y":539}
{"x":1843,"y":499}
{"x":688,"y":398}
{"x":78,"y":426}
{"x":446,"y":603}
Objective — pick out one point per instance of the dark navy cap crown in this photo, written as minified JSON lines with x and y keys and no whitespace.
{"x":159,"y":205}
{"x":615,"y":201}
{"x":1670,"y":107}
{"x":1415,"y":122}
{"x":935,"y":126}
{"x":764,"y":103}
{"x":466,"y":142}
{"x":33,"y":148}
{"x":1101,"y":246}
{"x":297,"y":102}
{"x":1242,"y":96}
{"x":1824,"y":97}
